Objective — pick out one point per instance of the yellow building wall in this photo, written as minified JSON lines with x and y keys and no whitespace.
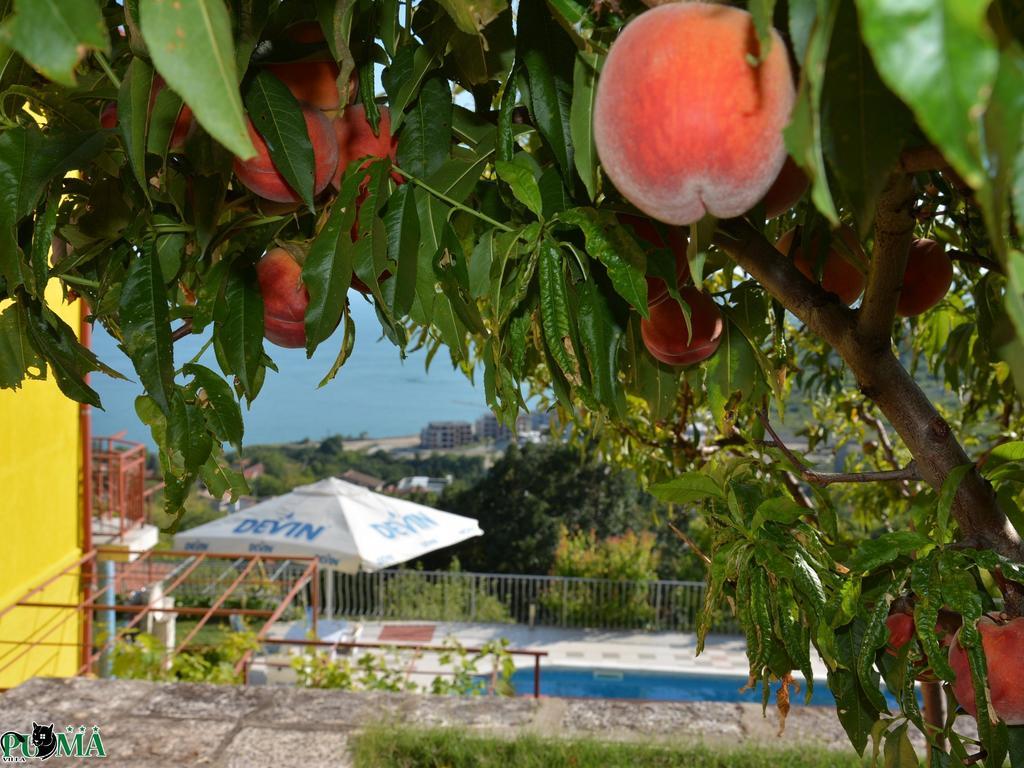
{"x":41,"y":514}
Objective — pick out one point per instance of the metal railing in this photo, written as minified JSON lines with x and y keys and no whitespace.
{"x":554,"y":601}
{"x":119,"y":482}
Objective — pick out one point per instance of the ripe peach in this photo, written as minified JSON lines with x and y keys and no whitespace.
{"x":684,"y":123}
{"x":1003,"y":642}
{"x":664,"y":332}
{"x":285,"y":298}
{"x":839,"y":275}
{"x":926,"y":280}
{"x":645,"y":229}
{"x":901,"y":630}
{"x":355,"y":139}
{"x":261,"y":175}
{"x":108,"y":117}
{"x":787,"y":189}
{"x":307,"y":32}
{"x":314,"y":82}
{"x":182,"y":125}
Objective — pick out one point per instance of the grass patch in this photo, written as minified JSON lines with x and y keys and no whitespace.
{"x":389,"y":747}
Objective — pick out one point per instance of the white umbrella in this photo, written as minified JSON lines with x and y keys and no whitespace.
{"x":346,"y":526}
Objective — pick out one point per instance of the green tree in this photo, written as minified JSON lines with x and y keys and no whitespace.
{"x":494,"y":233}
{"x":628,"y":560}
{"x":530,"y":494}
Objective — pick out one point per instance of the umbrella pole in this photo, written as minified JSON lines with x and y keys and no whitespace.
{"x":329,"y":594}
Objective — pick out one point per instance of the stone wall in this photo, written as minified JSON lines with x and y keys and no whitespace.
{"x":160,"y":725}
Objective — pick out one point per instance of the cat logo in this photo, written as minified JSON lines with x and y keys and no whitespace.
{"x":43,"y":743}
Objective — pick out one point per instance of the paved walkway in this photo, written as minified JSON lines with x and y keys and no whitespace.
{"x":628,"y":649}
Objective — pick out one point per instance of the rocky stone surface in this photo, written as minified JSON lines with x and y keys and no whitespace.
{"x":160,"y":725}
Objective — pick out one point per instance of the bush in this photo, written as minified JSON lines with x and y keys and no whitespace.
{"x":627,"y":561}
{"x":387,"y":671}
{"x":412,"y":596}
{"x":408,"y":748}
{"x":143,"y":657}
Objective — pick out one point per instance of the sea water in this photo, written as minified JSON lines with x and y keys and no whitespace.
{"x":376,"y":392}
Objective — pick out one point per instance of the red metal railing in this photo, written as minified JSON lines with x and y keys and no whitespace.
{"x":189,"y":570}
{"x":119,"y":482}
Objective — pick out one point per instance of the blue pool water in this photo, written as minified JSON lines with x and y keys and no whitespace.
{"x":581,"y":682}
{"x":649,"y":686}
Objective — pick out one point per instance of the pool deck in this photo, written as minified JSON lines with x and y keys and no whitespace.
{"x":624,"y":649}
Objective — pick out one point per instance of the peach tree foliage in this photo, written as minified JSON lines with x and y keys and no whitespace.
{"x":501,"y":250}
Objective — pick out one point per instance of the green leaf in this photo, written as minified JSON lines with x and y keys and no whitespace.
{"x":146,"y":329}
{"x":403,"y":79}
{"x":191,"y":45}
{"x":898,"y":751}
{"x":54,"y":35}
{"x":348,"y":340}
{"x":581,"y":119}
{"x":698,"y":248}
{"x":762,"y":11}
{"x":874,"y":553}
{"x":18,"y":359}
{"x":554,"y":306}
{"x":948,"y":493}
{"x":239,"y":328}
{"x":610,"y":243}
{"x":778,"y":510}
{"x":55,"y":341}
{"x":548,"y":56}
{"x":471,"y":16}
{"x":731,"y":375}
{"x":601,"y":336}
{"x":221,"y":410}
{"x":947,"y":88}
{"x":403,"y":233}
{"x":133,"y":116}
{"x":1003,"y":131}
{"x":327,"y":272}
{"x":866,"y":125}
{"x":278,"y":118}
{"x":804,"y":132}
{"x":687,"y":488}
{"x":30,"y":159}
{"x":187,"y":434}
{"x":220,"y":477}
{"x":875,"y":635}
{"x":523,"y":184}
{"x":426,"y":138}
{"x":856,"y":714}
{"x":42,"y":243}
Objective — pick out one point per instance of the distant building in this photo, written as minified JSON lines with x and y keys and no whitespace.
{"x":529,"y":436}
{"x":252,"y":470}
{"x":422,"y":484}
{"x":446,"y":434}
{"x":489,"y":428}
{"x":356,"y":477}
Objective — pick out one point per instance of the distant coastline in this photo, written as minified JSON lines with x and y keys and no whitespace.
{"x":376,"y":392}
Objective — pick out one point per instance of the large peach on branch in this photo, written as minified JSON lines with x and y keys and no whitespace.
{"x":1003,"y":642}
{"x":673,"y":237}
{"x":686,"y":122}
{"x":926,"y":280}
{"x":839,"y":274}
{"x":285,"y":298}
{"x":665,"y":333}
{"x":355,"y":138}
{"x":261,"y":175}
{"x":787,"y":189}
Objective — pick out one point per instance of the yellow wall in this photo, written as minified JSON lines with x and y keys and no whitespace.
{"x":40,"y":510}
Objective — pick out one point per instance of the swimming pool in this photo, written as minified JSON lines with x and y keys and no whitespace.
{"x":649,"y":686}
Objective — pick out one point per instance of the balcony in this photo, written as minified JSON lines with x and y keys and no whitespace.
{"x":120,"y":495}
